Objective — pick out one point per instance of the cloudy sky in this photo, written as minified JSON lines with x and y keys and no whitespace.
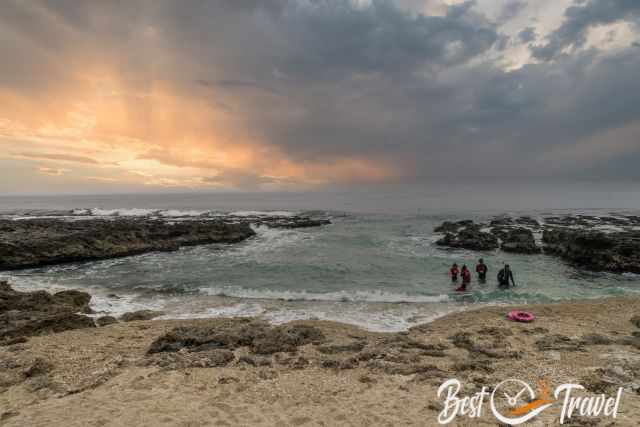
{"x":107,"y":96}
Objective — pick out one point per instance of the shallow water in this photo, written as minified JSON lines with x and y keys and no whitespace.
{"x":378,"y":270}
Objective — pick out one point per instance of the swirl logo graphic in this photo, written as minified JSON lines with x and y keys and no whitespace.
{"x":514,"y":402}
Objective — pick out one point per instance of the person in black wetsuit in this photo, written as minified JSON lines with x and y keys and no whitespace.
{"x":482,"y":269}
{"x":504,"y":276}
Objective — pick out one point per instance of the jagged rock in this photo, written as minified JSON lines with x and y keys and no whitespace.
{"x":559,"y":343}
{"x":470,"y":238}
{"x":354,"y":346}
{"x":255,"y":360}
{"x":280,"y":339}
{"x":230,"y":335}
{"x":259,"y":336}
{"x":527,"y":221}
{"x":140,"y":315}
{"x":40,"y":300}
{"x":595,"y":339}
{"x":495,"y":331}
{"x":38,"y":242}
{"x":476,"y":365}
{"x":405,"y":342}
{"x":633,"y":341}
{"x":635,"y":320}
{"x":106,"y":320}
{"x":205,"y":359}
{"x":38,"y":367}
{"x":452,"y":227}
{"x":519,"y":240}
{"x":365,"y":379}
{"x":595,"y":383}
{"x":76,"y":299}
{"x":496,"y":350}
{"x":218,"y":358}
{"x":501,"y":222}
{"x":571,"y":220}
{"x":614,"y":252}
{"x":25,"y":314}
{"x":30,"y":325}
{"x":297,"y":222}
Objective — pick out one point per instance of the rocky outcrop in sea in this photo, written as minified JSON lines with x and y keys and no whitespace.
{"x":37,"y":242}
{"x":518,"y":240}
{"x":470,"y":237}
{"x":598,"y":243}
{"x":614,"y":252}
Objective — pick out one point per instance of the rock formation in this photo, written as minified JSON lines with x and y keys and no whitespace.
{"x":38,"y":242}
{"x":24,"y":314}
{"x":614,"y":252}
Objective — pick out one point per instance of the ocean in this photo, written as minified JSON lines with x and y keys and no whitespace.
{"x":375,"y":266}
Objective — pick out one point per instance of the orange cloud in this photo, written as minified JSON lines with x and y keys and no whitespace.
{"x":52,"y":171}
{"x":158,"y":136}
{"x":54,"y":156}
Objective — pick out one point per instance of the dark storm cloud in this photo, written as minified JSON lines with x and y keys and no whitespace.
{"x":527,"y":35}
{"x":325,"y":80}
{"x":512,"y":9}
{"x":582,"y":16}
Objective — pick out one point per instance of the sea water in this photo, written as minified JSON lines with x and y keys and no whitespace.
{"x":375,"y":266}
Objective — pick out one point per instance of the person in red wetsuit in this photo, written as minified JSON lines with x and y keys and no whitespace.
{"x":481,"y":269}
{"x":454,"y":272}
{"x":466,"y":278}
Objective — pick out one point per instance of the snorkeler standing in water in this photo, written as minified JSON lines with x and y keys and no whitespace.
{"x":482,"y":269}
{"x":466,"y":279}
{"x":454,"y":272}
{"x":504,"y":276}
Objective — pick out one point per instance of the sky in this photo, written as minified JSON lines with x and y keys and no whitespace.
{"x":278,"y":95}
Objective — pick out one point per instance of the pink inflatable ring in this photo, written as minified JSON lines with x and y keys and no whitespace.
{"x":521,"y":316}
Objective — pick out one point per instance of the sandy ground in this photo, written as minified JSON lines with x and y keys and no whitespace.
{"x":104,"y":377}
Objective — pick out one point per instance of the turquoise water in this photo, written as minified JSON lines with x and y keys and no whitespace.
{"x":377,"y":270}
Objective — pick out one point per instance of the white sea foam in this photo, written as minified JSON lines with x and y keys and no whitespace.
{"x":340,"y":296}
{"x":117,"y":306}
{"x":263,"y":213}
{"x":236,"y":310}
{"x":122,"y":212}
{"x":171,"y":213}
{"x":174,"y":213}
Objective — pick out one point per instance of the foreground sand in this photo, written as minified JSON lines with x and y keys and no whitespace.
{"x":103,"y":376}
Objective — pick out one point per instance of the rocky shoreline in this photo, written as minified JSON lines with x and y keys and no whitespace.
{"x":245,"y":371}
{"x":39,"y":242}
{"x":606,"y":243}
{"x":27,"y":314}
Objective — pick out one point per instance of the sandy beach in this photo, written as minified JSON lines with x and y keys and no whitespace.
{"x":340,"y":375}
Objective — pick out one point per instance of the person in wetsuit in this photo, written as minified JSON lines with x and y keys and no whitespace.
{"x":504,"y":276}
{"x":466,"y":279}
{"x":481,"y":269}
{"x":454,"y":272}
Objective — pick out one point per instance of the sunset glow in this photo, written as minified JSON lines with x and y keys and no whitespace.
{"x":301,"y":95}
